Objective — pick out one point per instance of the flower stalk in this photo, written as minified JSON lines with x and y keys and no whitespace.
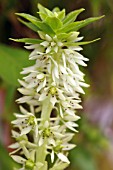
{"x":51,"y":90}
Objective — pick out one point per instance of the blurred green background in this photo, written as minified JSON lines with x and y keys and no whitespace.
{"x":95,"y":139}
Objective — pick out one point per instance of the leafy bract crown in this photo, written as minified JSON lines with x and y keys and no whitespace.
{"x":53,"y":23}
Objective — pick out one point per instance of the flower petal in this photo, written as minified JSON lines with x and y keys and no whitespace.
{"x":63,"y":158}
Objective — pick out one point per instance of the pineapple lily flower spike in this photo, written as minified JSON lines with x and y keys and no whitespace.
{"x":51,"y":90}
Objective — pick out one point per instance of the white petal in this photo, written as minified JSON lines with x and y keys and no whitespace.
{"x":48,"y":49}
{"x":70,"y":126}
{"x":26,"y":130}
{"x":18,"y":121}
{"x":24,"y":99}
{"x":76,"y":48}
{"x":14,"y":145}
{"x":53,"y":100}
{"x":73,"y":36}
{"x":32,"y":84}
{"x":18,"y":159}
{"x":22,"y":83}
{"x":61,"y":112}
{"x":55,"y":63}
{"x":68,"y":147}
{"x":56,"y":49}
{"x":63,"y":69}
{"x":80,"y":62}
{"x":25,"y":91}
{"x":33,"y":102}
{"x":83,"y":84}
{"x":41,"y":141}
{"x":79,"y":39}
{"x":15,"y":134}
{"x":79,"y":89}
{"x":13,"y":152}
{"x":48,"y":38}
{"x":44,"y":43}
{"x":36,"y":131}
{"x":71,"y":81}
{"x":27,"y":70}
{"x":63,"y":158}
{"x":58,"y":135}
{"x":32,"y":46}
{"x":40,"y":76}
{"x":64,"y":59}
{"x":20,"y":115}
{"x":39,"y":87}
{"x":72,"y":118}
{"x":68,"y":137}
{"x":42,"y":97}
{"x":52,"y":156}
{"x":55,"y":72}
{"x":52,"y":142}
{"x":61,"y":96}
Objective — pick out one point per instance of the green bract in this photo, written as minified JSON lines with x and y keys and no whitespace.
{"x":54,"y":22}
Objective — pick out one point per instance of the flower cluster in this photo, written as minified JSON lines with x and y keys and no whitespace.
{"x":50,"y":89}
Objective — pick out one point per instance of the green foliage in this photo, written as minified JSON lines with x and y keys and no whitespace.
{"x":82,"y":159}
{"x":6,"y":163}
{"x":27,"y":40}
{"x":71,"y":17}
{"x":12,"y":61}
{"x":82,"y":43}
{"x":41,"y":26}
{"x":75,"y":26}
{"x":54,"y":22}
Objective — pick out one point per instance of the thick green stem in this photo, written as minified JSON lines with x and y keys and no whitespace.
{"x":41,"y":153}
{"x":46,"y":109}
{"x":42,"y":150}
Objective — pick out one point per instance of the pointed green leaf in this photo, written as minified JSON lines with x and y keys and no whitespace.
{"x":61,"y":14}
{"x":28,"y":17}
{"x":63,"y":36}
{"x":42,"y":9}
{"x":71,"y":17}
{"x":75,"y":26}
{"x":41,"y":25}
{"x":28,"y":40}
{"x":87,"y":22}
{"x":29,"y":25}
{"x":56,"y":9}
{"x":54,"y":22}
{"x":31,"y":18}
{"x":42,"y":15}
{"x":69,"y":27}
{"x":46,"y":28}
{"x":81,"y":43}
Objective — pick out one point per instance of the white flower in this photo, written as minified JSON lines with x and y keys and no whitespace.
{"x":54,"y":92}
{"x":29,"y":163}
{"x":21,"y":141}
{"x":50,"y":132}
{"x":25,"y":121}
